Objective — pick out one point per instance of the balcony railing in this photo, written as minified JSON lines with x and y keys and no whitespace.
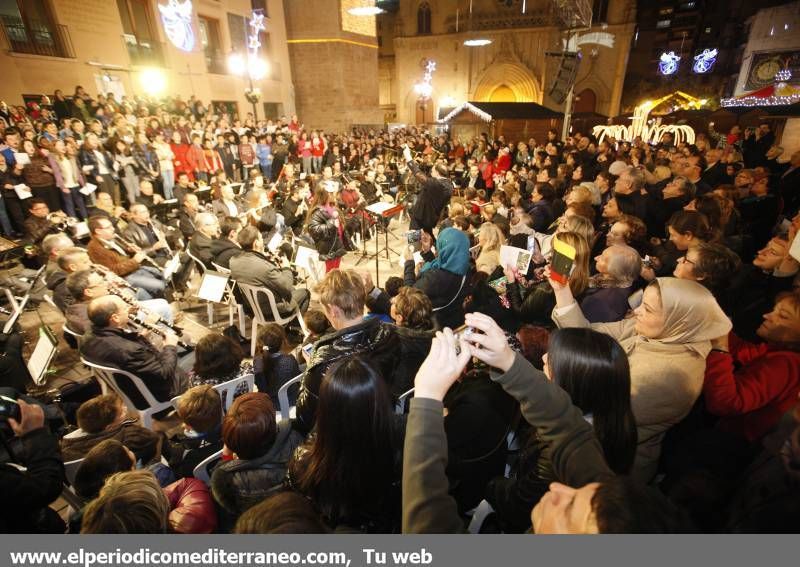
{"x":38,"y":40}
{"x":485,"y":22}
{"x":144,"y":52}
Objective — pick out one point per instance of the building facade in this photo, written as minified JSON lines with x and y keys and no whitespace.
{"x":773,"y":44}
{"x":688,"y":29}
{"x":335,"y":56}
{"x":515,"y":67}
{"x":138,"y":47}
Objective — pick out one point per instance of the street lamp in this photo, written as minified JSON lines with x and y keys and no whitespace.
{"x":254,"y":68}
{"x":250,"y":64}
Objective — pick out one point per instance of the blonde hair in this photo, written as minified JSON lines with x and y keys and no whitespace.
{"x":200,"y":408}
{"x":579,"y":278}
{"x":129,"y":503}
{"x":491,"y":237}
{"x":456,"y":209}
{"x":581,"y":194}
{"x":579,"y":225}
{"x":345,"y":290}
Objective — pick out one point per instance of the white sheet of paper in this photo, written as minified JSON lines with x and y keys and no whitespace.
{"x":22,"y":158}
{"x":513,"y":256}
{"x":41,"y":357}
{"x":23,"y":191}
{"x":88,"y":189}
{"x":87,"y":168}
{"x":172,"y":266}
{"x":379,"y":207}
{"x":212,"y":288}
{"x":794,"y":251}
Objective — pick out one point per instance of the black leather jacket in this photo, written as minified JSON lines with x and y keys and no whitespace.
{"x":138,"y":235}
{"x":378,"y":342}
{"x":326,"y":235}
{"x":239,"y":484}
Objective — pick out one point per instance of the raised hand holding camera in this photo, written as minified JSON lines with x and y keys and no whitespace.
{"x":442,"y":367}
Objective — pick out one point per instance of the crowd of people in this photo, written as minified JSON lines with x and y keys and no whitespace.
{"x":651,"y":386}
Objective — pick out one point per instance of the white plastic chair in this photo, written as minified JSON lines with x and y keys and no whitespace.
{"x":402,"y":400}
{"x":287,"y":412}
{"x":233,"y":307}
{"x":49,"y":300}
{"x":227,"y":390}
{"x":70,"y":332}
{"x":202,"y":472}
{"x":482,"y":511}
{"x":201,"y":267}
{"x":70,"y":469}
{"x":251,"y":295}
{"x":106,"y":374}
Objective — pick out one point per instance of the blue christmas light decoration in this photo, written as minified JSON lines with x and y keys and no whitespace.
{"x":704,"y":61}
{"x":669,"y":63}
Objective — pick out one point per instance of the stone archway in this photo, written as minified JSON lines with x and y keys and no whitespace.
{"x":503,"y":93}
{"x":515,"y":77}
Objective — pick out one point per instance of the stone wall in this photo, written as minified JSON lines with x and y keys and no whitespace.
{"x":335,"y":71}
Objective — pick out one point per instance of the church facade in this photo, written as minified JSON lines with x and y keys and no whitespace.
{"x":519,"y":65}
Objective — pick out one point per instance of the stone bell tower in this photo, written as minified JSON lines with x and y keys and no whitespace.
{"x":334,"y":57}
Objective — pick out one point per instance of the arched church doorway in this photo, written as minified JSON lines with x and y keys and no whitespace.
{"x":586,"y":101}
{"x":503,"y":93}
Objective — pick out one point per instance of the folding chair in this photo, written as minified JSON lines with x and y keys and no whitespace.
{"x":203,"y":469}
{"x":251,"y":295}
{"x":107,"y":375}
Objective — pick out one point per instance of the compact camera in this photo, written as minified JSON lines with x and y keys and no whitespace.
{"x":413,"y":236}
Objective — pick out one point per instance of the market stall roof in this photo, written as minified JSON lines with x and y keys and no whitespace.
{"x":777,"y":94}
{"x":488,"y":111}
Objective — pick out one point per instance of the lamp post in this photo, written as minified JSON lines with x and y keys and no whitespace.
{"x":252,"y":67}
{"x":250,"y":64}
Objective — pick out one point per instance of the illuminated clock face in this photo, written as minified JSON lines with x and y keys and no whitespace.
{"x":766,"y":70}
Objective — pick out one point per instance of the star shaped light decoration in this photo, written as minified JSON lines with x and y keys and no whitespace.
{"x":257,"y":22}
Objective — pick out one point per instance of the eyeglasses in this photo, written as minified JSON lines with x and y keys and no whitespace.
{"x":686,"y":260}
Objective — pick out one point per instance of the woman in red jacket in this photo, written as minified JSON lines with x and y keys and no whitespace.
{"x":487,"y":172}
{"x":750,"y":386}
{"x":181,"y":159}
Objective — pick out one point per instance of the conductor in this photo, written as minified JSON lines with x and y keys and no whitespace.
{"x":434,"y":194}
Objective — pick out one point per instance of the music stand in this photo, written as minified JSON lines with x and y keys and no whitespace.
{"x":383,"y":210}
{"x":42,"y":355}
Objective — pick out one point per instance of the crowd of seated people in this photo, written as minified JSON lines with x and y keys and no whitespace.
{"x":650,"y":387}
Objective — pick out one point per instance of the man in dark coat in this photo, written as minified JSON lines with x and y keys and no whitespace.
{"x":110,"y":344}
{"x":434,"y":194}
{"x":207,"y":229}
{"x":252,"y":267}
{"x":756,"y":145}
{"x":226,"y":246}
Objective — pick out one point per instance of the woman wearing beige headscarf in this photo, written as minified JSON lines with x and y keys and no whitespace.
{"x":667,"y":342}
